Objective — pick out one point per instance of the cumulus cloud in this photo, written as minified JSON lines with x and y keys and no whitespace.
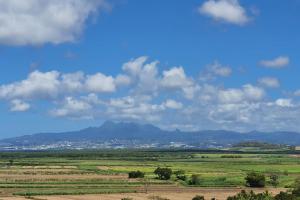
{"x":297,"y":93}
{"x":73,"y":108}
{"x":51,"y":85}
{"x":122,"y":80}
{"x":37,"y":85}
{"x":176,"y":79}
{"x":245,"y":94}
{"x":19,"y":106}
{"x":35,"y":22}
{"x":269,"y":82}
{"x":215,"y":70}
{"x":100,"y":83}
{"x":172,"y":104}
{"x":284,"y":102}
{"x":229,"y":11}
{"x":134,"y":66}
{"x":168,"y":98}
{"x":277,"y":63}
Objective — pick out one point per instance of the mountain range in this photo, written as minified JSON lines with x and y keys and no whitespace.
{"x":133,"y":135}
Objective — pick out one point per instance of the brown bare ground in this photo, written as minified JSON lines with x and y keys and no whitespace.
{"x":295,"y":156}
{"x":50,"y":167}
{"x":180,"y":194}
{"x":61,"y":177}
{"x":103,"y":167}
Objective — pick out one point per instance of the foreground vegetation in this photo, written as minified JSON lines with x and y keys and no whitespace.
{"x":120,"y":171}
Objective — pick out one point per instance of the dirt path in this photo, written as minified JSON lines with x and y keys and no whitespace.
{"x":170,"y":193}
{"x":62,"y":177}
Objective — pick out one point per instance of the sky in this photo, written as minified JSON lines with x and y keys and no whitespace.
{"x":188,"y":65}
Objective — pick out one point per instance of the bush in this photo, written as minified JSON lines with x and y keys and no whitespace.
{"x":198,"y":197}
{"x":274,"y":180}
{"x":163,"y":173}
{"x":296,"y":190}
{"x":231,"y":156}
{"x":157,"y":198}
{"x":195,"y":180}
{"x":180,"y":175}
{"x":243,"y":195}
{"x":136,"y":174}
{"x":127,"y":198}
{"x":285,"y":196}
{"x":255,"y":179}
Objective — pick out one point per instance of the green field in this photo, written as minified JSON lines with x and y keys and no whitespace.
{"x":98,"y":172}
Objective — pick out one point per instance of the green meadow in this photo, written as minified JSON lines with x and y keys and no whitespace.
{"x":106,"y":171}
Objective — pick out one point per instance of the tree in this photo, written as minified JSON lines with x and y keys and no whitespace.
{"x":296,"y":190}
{"x":198,"y":197}
{"x":243,"y":195}
{"x":136,"y":174}
{"x":163,"y":173}
{"x":195,"y":180}
{"x":285,"y":196}
{"x":254,"y":179}
{"x":180,"y":175}
{"x":274,"y":180}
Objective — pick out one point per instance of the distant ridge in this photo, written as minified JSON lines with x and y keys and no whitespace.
{"x":133,"y":135}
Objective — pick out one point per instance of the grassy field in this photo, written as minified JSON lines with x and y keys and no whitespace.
{"x":105,"y":172}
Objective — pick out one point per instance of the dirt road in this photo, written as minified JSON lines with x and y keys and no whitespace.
{"x":169,"y":193}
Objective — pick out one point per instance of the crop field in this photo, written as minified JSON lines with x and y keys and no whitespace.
{"x":104,"y":174}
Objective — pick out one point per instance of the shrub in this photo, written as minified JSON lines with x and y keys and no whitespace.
{"x":254,"y":179}
{"x":274,"y":180}
{"x":296,"y":190}
{"x":180,"y":175}
{"x":243,"y":195}
{"x":127,"y":198}
{"x":285,"y":196}
{"x":163,"y":173}
{"x":231,"y":156}
{"x":195,"y":180}
{"x":198,"y":197}
{"x":157,"y":198}
{"x":136,"y":174}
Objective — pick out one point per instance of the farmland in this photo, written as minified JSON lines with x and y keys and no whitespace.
{"x":92,"y":174}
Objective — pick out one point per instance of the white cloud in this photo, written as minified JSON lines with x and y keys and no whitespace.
{"x":53,"y":84}
{"x":269,"y":82}
{"x":125,"y":102}
{"x":231,"y":96}
{"x":73,"y":108}
{"x":122,"y":80}
{"x":172,"y":104}
{"x":253,"y":93}
{"x":147,"y":79}
{"x":215,"y":70}
{"x":284,"y":102}
{"x":100,"y":83}
{"x":168,"y":98}
{"x":37,"y":85}
{"x":278,"y":62}
{"x":175,"y":78}
{"x":297,"y":93}
{"x":248,"y":93}
{"x":73,"y":82}
{"x":229,"y":11}
{"x":19,"y":106}
{"x":220,"y":70}
{"x":35,"y":22}
{"x":134,"y":66}
{"x":134,"y":108}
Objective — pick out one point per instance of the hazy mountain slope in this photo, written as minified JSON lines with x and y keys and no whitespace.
{"x":147,"y":134}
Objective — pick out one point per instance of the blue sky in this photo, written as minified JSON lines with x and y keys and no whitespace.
{"x":210,"y":64}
